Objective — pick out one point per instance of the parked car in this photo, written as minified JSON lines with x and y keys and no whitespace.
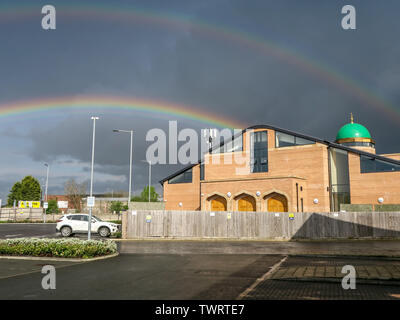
{"x":78,"y":223}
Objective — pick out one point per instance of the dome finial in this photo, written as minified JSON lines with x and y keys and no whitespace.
{"x":351,"y":117}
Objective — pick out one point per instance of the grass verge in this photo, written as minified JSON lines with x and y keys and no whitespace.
{"x":62,"y":248}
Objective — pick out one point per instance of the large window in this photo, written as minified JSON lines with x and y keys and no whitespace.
{"x":369,"y":164}
{"x":259,"y":151}
{"x":358,"y":144}
{"x":184,"y":177}
{"x":287,"y":140}
{"x":340,"y":182}
{"x":233,"y":145}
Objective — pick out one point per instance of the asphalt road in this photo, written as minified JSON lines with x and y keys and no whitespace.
{"x":205,"y":270}
{"x":355,"y":247}
{"x":33,"y":230}
{"x":131,"y":276}
{"x":186,"y":277}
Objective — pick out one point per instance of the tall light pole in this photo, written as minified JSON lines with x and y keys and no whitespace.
{"x":130,"y":162}
{"x":47,"y":179}
{"x":91,"y":175}
{"x":149,"y":162}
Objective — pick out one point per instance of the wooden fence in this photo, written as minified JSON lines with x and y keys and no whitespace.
{"x":144,"y":224}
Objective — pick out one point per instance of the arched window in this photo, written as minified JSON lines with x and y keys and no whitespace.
{"x":276,"y":202}
{"x":245,"y":202}
{"x":217,"y":203}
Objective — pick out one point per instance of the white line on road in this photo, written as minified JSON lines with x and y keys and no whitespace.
{"x":264,"y":277}
{"x":13,"y":235}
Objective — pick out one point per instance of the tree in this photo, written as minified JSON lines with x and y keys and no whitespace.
{"x":75,"y":192}
{"x":144,"y":196}
{"x":153,"y":194}
{"x":30,"y":189}
{"x":53,"y":206}
{"x":15,"y":194}
{"x":117,"y":206}
{"x":26,"y":190}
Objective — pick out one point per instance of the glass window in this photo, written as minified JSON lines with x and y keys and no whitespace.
{"x":231,"y":146}
{"x":184,"y":177}
{"x":358,"y":144}
{"x":76,"y":217}
{"x":369,"y":164}
{"x":202,"y":171}
{"x":286,"y":140}
{"x":302,"y":142}
{"x":259,"y":152}
{"x":85,"y":218}
{"x":339,"y":180}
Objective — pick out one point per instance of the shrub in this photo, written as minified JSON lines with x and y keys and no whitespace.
{"x":53,"y":206}
{"x":65,"y":248}
{"x":116,"y":206}
{"x":116,"y":221}
{"x":117,"y":234}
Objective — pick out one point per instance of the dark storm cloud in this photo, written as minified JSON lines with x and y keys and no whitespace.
{"x":216,"y":73}
{"x":72,"y":139}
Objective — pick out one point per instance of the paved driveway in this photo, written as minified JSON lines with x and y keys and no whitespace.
{"x":202,"y":270}
{"x":136,"y":276}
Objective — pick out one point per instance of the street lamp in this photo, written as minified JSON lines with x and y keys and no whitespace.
{"x":91,"y":175}
{"x":149,"y":162}
{"x":130,"y":162}
{"x":47,"y":179}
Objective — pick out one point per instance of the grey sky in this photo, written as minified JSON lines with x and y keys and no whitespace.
{"x":180,"y":65}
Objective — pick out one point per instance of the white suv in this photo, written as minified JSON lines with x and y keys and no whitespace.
{"x":78,"y":223}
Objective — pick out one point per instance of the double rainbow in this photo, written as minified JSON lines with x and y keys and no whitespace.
{"x":129,"y":14}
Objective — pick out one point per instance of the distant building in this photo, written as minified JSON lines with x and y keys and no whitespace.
{"x":287,"y":171}
{"x":62,"y":201}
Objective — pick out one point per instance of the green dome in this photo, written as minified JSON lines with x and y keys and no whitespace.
{"x":353,"y":130}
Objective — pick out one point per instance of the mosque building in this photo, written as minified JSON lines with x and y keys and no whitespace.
{"x":269,"y":169}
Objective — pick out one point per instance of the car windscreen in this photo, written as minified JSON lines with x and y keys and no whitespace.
{"x":98,"y":219}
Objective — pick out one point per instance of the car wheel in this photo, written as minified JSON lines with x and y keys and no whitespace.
{"x":66,"y":231}
{"x":104,"y":232}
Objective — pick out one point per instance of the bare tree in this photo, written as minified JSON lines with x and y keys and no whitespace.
{"x":75,"y":192}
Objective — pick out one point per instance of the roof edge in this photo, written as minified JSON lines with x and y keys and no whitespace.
{"x":270,"y":127}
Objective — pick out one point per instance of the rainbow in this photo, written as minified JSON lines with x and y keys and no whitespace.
{"x":114,"y":103}
{"x":130,"y":14}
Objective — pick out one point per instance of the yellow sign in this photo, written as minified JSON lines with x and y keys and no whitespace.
{"x":35,"y":204}
{"x":28,"y":204}
{"x":291,"y":216}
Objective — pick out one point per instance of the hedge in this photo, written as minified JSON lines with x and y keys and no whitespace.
{"x":65,"y":248}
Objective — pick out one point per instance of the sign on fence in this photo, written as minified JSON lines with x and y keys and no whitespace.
{"x":28,"y":204}
{"x":62,"y":204}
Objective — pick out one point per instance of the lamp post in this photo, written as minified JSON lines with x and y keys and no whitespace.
{"x":47,"y":179}
{"x":130,"y":162}
{"x":149,"y":162}
{"x":91,"y":175}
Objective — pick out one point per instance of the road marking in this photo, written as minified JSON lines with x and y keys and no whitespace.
{"x":264,"y":277}
{"x":13,"y":235}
